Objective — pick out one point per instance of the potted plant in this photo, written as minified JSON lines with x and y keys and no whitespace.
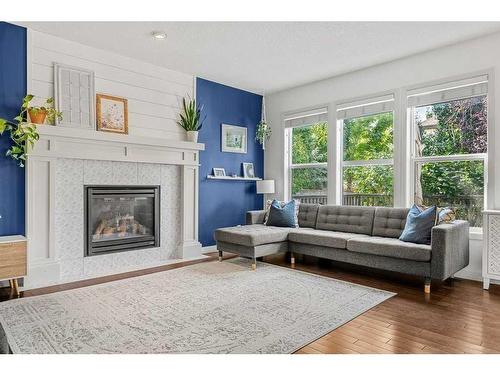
{"x":263,"y":133}
{"x":39,"y":114}
{"x":190,"y":119}
{"x":24,"y":134}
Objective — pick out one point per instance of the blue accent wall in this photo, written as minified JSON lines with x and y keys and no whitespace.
{"x":12,"y":91}
{"x":224,"y":203}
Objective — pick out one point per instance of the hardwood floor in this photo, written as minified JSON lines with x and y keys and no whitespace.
{"x":457,"y":317}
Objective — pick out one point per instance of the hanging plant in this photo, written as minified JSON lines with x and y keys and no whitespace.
{"x":24,"y":133}
{"x":263,"y":133}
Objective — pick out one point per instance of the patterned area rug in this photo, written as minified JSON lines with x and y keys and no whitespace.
{"x":204,"y":308}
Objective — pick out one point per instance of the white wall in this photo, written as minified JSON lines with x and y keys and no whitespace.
{"x":479,"y":55}
{"x":153,"y":92}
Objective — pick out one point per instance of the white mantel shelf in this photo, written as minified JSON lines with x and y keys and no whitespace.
{"x":58,"y":141}
{"x":229,"y":178}
{"x":60,"y":131}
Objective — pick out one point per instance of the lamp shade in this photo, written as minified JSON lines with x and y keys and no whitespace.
{"x":265,"y":187}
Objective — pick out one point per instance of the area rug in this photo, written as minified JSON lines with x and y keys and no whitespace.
{"x":204,"y":308}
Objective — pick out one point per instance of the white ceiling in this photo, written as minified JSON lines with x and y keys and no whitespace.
{"x":267,"y":56}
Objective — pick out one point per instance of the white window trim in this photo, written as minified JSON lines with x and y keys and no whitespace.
{"x":373,"y":104}
{"x":308,"y":165}
{"x":414,"y":160}
{"x":367,"y":163}
{"x":289,"y":120}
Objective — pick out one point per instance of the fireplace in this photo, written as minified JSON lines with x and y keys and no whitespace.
{"x":121,"y":218}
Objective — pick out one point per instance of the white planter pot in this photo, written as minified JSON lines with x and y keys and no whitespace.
{"x":192,"y":136}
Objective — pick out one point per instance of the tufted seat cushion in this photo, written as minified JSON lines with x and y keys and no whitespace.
{"x":252,"y":235}
{"x":325,"y":238}
{"x":307,"y":215}
{"x":390,"y":247}
{"x":350,"y":219}
{"x":389,"y":222}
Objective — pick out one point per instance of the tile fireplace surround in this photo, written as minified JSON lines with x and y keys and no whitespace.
{"x":65,"y":160}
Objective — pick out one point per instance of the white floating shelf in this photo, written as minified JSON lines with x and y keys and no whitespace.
{"x":212,"y":177}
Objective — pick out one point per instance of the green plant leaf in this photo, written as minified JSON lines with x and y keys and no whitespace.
{"x":3,"y":125}
{"x":189,"y":118}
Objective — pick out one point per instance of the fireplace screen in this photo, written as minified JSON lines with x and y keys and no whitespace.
{"x":121,"y":218}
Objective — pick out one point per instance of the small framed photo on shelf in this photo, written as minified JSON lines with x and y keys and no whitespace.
{"x":248,"y":171}
{"x":219,"y":172}
{"x":112,"y":114}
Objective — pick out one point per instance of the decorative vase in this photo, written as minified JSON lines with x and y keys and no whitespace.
{"x":37,"y":117}
{"x":192,"y":136}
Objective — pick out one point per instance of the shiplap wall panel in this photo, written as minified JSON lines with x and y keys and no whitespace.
{"x":154,"y":93}
{"x":151,"y":133}
{"x":43,"y":65}
{"x":152,"y":109}
{"x":106,"y":58}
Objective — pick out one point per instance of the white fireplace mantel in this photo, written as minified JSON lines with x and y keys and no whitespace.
{"x":84,"y":146}
{"x":93,"y":145}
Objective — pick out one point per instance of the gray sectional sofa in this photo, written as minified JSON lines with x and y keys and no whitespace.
{"x":366,"y":236}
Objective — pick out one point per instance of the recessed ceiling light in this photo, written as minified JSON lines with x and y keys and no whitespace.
{"x":160,"y":35}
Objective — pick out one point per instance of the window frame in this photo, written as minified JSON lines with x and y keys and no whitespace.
{"x":374,"y":100}
{"x":414,"y":160}
{"x":289,"y":165}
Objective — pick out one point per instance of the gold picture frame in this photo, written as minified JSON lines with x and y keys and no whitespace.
{"x":112,"y":114}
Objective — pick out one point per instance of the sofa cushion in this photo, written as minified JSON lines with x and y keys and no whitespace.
{"x":252,"y":235}
{"x":282,"y":215}
{"x":419,"y":225}
{"x":320,"y":237}
{"x":390,"y":247}
{"x":269,"y":202}
{"x":307,"y":215}
{"x":350,"y":219}
{"x":389,"y":222}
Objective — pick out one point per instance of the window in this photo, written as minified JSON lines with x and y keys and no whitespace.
{"x":367,"y":152}
{"x":307,"y":136}
{"x":449,"y":127}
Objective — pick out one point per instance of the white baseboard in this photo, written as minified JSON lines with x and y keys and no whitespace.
{"x":208,"y":249}
{"x":468,"y":275}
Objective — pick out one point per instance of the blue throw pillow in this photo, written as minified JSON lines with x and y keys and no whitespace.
{"x":419,"y":225}
{"x":282,"y":216}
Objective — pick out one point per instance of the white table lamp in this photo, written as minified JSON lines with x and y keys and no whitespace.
{"x":265,"y":187}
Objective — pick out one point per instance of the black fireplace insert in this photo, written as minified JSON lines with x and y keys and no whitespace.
{"x":121,"y":218}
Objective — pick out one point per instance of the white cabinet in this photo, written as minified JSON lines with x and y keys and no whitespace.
{"x":491,"y":247}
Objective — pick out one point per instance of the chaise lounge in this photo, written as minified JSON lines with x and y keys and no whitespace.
{"x":366,"y":236}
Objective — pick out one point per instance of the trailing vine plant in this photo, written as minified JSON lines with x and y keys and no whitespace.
{"x":263,"y":133}
{"x":23,"y":133}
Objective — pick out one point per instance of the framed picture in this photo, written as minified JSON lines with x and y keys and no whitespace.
{"x":74,"y":96}
{"x":248,"y":171}
{"x":234,"y":139}
{"x":219,"y":172}
{"x":112,"y":114}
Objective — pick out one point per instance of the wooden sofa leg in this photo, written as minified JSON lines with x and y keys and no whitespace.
{"x":220,"y":256}
{"x":427,"y":286}
{"x":254,"y":264}
{"x":292,"y":259}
